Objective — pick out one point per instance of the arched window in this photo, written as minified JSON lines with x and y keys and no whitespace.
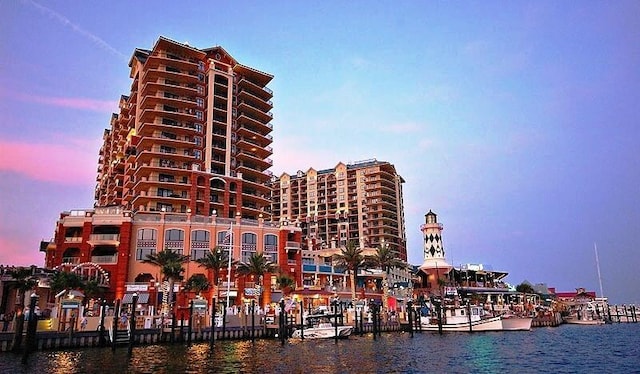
{"x":174,"y":240}
{"x":199,"y":244}
{"x":249,"y":245}
{"x":146,"y":243}
{"x":271,"y":247}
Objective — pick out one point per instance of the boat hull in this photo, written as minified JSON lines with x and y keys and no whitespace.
{"x":575,"y":321}
{"x":516,"y":323}
{"x":488,"y":324}
{"x":323,"y":332}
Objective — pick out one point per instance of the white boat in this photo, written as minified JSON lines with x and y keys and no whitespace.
{"x":322,"y":326}
{"x":512,"y":322}
{"x":585,"y":314}
{"x":473,"y":318}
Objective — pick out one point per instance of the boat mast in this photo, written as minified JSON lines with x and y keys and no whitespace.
{"x":598,"y":266}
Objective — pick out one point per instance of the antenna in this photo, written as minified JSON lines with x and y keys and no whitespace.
{"x":595,"y":247}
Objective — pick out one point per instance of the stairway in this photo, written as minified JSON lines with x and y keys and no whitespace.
{"x":122,"y":336}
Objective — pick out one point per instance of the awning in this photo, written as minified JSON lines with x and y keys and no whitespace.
{"x":143,"y":298}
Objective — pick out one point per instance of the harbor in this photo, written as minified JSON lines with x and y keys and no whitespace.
{"x":567,"y":348}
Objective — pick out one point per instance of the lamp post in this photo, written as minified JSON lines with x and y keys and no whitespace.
{"x":32,"y":324}
{"x":103,"y":306}
{"x":132,"y":321}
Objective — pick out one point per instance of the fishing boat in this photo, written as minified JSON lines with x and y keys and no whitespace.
{"x":473,"y":318}
{"x":584,"y":314}
{"x":513,"y":322}
{"x":322,"y":326}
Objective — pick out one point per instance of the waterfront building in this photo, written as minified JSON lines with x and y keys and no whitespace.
{"x":193,"y":135}
{"x":359,"y":202}
{"x":109,"y":244}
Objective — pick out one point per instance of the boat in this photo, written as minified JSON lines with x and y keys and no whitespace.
{"x":473,"y":318}
{"x":585,"y":314}
{"x":513,"y":322}
{"x":322,"y":326}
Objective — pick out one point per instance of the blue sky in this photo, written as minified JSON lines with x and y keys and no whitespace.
{"x":516,"y":122}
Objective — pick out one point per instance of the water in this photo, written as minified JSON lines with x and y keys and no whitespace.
{"x":565,"y":349}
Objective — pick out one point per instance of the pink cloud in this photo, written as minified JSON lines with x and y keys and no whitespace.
{"x":72,"y":102}
{"x":103,"y":106}
{"x":71,"y":163}
{"x":12,"y":252}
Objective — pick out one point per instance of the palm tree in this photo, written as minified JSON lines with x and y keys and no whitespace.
{"x":385,"y":260}
{"x":171,"y":267}
{"x":350,"y":258}
{"x":215,"y":261}
{"x":23,"y":281}
{"x":64,"y":280}
{"x":286,"y":283}
{"x":257,"y":265}
{"x":197,"y":283}
{"x":91,"y":289}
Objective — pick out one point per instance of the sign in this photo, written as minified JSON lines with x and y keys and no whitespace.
{"x":252,"y":291}
{"x":450,"y":291}
{"x":70,"y":304}
{"x":199,"y":305}
{"x":137,"y":287}
{"x":231,"y":293}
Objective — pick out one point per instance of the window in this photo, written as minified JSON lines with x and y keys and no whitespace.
{"x":224,"y":238}
{"x":197,"y":141}
{"x":271,"y":248}
{"x":146,"y":234}
{"x":174,"y":234}
{"x":249,"y":241}
{"x":165,"y":149}
{"x":200,"y":102}
{"x":163,"y":192}
{"x":199,"y":115}
{"x":165,"y":207}
{"x":143,"y":253}
{"x":200,"y":236}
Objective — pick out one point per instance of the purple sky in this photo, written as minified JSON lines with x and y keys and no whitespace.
{"x":516,"y":122}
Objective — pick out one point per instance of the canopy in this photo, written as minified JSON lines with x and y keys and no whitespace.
{"x":143,"y":298}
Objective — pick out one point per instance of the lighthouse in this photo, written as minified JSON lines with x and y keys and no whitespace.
{"x":432,"y":237}
{"x":434,"y":266}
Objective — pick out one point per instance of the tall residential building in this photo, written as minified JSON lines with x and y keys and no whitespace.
{"x":361,"y":202}
{"x":193,"y":135}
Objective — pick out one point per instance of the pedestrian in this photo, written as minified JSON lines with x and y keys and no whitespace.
{"x":123,"y":321}
{"x":83,"y":323}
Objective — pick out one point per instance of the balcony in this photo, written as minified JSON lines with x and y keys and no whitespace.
{"x":292,"y":246}
{"x":71,"y":260}
{"x":109,"y":239}
{"x":108,"y":259}
{"x":105,"y":237}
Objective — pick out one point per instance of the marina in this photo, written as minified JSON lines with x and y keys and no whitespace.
{"x":566,"y":349}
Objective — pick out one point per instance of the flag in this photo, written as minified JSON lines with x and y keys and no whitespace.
{"x":227,"y":237}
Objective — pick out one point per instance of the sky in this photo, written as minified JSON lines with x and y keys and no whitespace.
{"x":515,"y":121}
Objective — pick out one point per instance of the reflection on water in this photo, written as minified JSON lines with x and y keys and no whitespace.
{"x":612,"y":348}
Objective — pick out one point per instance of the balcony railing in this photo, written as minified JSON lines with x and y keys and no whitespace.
{"x":73,"y":239}
{"x":105,"y":237}
{"x":108,"y":259}
{"x":71,"y":260}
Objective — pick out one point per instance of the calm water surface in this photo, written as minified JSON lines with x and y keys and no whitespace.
{"x":566,"y":349}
